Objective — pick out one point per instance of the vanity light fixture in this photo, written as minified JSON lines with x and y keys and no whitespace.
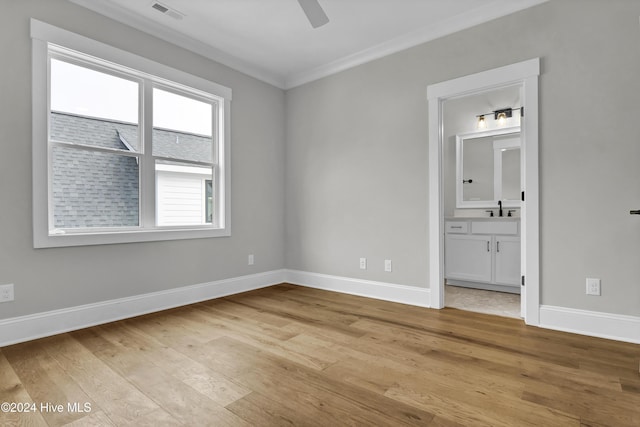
{"x":500,"y":115}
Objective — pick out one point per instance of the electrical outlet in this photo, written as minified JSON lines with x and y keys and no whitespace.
{"x":251,"y":259}
{"x":6,"y":293}
{"x":593,"y":286}
{"x":363,"y":263}
{"x":387,"y":265}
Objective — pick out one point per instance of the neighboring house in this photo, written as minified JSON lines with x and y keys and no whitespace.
{"x":101,"y":190}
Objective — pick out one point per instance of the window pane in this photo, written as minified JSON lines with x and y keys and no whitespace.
{"x":93,"y":108}
{"x":182,"y":127}
{"x":93,"y":189}
{"x":182,"y":194}
{"x":208,"y":194}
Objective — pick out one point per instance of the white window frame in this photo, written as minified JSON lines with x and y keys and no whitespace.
{"x":43,"y":35}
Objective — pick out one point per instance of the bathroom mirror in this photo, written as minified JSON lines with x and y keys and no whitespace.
{"x":488,"y":168}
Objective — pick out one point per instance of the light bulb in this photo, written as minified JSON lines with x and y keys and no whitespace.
{"x":502,"y":119}
{"x":482,"y":123}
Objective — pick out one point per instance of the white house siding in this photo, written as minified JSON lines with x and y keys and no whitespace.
{"x":180,"y":198}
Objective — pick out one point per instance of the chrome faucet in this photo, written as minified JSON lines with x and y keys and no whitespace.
{"x":500,"y":206}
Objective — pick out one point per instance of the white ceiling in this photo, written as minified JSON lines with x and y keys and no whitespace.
{"x":273,"y":41}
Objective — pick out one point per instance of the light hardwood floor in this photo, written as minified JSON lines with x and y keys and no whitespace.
{"x":288,"y":355}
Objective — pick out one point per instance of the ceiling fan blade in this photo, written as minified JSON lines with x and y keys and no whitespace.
{"x":314,"y":12}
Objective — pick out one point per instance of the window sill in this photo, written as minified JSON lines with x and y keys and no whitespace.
{"x":136,"y":236}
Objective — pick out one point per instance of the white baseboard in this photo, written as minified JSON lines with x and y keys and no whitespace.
{"x":25,"y":328}
{"x":39,"y":325}
{"x":365,"y":288}
{"x":596,"y":324}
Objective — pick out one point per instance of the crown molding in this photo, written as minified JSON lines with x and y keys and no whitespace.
{"x":183,"y":41}
{"x":468,"y":19}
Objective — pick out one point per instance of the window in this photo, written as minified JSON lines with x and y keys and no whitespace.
{"x":125,"y":149}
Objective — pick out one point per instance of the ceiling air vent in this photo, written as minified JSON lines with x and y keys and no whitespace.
{"x":167,"y":10}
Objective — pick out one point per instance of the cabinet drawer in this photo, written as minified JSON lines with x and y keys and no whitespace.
{"x":456,"y":227}
{"x":494,"y":227}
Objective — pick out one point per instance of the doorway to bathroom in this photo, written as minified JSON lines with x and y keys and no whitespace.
{"x":474,"y":109}
{"x":481,"y":185}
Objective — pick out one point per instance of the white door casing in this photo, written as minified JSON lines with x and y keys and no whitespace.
{"x":525,"y":75}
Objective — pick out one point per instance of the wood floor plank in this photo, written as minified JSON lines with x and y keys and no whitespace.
{"x":206,"y":381}
{"x":119,"y":399}
{"x":491,"y":413}
{"x":498,"y":363}
{"x":12,"y":391}
{"x":259,"y":410}
{"x":287,"y":355}
{"x":302,"y":376}
{"x":133,"y":357}
{"x":237,"y":310}
{"x":95,"y":419}
{"x":46,"y":382}
{"x":305,"y":314}
{"x":595,"y":405}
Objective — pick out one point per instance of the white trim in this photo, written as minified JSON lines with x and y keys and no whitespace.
{"x":220,"y":97}
{"x":508,"y":75}
{"x":525,"y":75}
{"x":25,"y":328}
{"x":180,"y":169}
{"x":39,"y":325}
{"x":436,"y":203}
{"x":530,"y":207}
{"x":497,"y":168}
{"x":593,"y":323}
{"x":411,"y":295}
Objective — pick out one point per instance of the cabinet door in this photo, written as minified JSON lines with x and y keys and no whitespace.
{"x":468,"y":257}
{"x":507,"y":260}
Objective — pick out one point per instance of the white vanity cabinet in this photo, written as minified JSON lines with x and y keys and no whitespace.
{"x":468,"y":257}
{"x":507,"y":260}
{"x":483,"y":253}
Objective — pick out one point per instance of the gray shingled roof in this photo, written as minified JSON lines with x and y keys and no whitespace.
{"x":182,"y":146}
{"x":101,"y":189}
{"x":89,"y":131}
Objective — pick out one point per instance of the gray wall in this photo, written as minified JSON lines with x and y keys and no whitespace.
{"x":356,"y":178}
{"x":47,"y":279}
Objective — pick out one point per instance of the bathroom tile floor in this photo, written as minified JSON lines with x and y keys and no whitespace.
{"x":481,"y":301}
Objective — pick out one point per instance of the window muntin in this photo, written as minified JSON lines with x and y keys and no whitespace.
{"x":47,"y":42}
